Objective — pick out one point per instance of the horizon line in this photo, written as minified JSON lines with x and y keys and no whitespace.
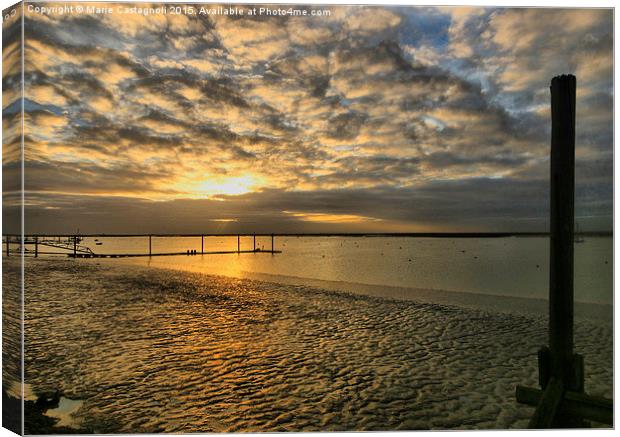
{"x":313,"y":234}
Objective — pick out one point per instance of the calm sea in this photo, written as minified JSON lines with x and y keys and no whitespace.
{"x":513,"y":266}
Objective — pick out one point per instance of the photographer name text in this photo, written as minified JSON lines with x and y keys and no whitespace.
{"x":77,"y":9}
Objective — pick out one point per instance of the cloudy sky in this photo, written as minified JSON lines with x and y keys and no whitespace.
{"x":383,"y":119}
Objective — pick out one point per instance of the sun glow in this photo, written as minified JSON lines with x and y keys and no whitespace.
{"x":222,"y":185}
{"x":330,"y":218}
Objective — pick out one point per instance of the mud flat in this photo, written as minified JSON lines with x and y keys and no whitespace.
{"x":150,"y":350}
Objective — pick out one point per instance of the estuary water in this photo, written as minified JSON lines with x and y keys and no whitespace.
{"x":510,"y":267}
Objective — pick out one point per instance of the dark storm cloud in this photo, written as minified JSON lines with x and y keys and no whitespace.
{"x":500,"y":201}
{"x":136,"y":136}
{"x":448,"y":159}
{"x":157,"y":115}
{"x":346,"y":125}
{"x":86,"y":84}
{"x":222,"y":90}
{"x":381,"y":169}
{"x":77,"y":34}
{"x":57,"y":176}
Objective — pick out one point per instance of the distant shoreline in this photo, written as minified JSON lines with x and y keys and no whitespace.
{"x":352,"y":234}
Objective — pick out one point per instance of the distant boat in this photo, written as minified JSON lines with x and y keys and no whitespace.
{"x":578,"y":238}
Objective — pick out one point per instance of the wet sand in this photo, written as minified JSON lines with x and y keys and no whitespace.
{"x":152,"y":350}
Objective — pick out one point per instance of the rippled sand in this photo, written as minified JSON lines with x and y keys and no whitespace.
{"x":11,"y":346}
{"x":151,"y":350}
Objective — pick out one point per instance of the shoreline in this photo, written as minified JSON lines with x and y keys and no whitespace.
{"x":466,"y":299}
{"x":340,"y":234}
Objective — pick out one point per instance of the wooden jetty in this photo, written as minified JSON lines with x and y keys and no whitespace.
{"x":72,"y":247}
{"x":561,"y":401}
{"x":133,"y":255}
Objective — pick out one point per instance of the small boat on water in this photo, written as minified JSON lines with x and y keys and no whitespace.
{"x":578,"y":237}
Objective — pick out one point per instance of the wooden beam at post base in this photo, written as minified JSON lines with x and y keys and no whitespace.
{"x":549,"y":405}
{"x":563,"y":90}
{"x":577,"y":404}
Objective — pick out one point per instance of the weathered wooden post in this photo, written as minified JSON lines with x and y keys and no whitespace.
{"x":254,"y":243}
{"x":561,"y":294}
{"x":150,"y":245}
{"x":238,"y":244}
{"x":561,"y":402}
{"x":558,"y":363}
{"x":557,"y":371}
{"x":202,"y":244}
{"x":7,"y":245}
{"x":74,"y":246}
{"x":271,"y":243}
{"x":36,"y":247}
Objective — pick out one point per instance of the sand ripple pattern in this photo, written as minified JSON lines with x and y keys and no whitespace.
{"x":158,"y":350}
{"x":11,"y":327}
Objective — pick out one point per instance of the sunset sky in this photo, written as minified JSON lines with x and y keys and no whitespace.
{"x":383,"y":119}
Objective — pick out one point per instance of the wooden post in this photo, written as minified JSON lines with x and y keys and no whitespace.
{"x":150,"y":252}
{"x":202,"y":244}
{"x":561,"y":227}
{"x":7,"y":245}
{"x":74,"y":246}
{"x":560,"y":402}
{"x":271,"y":243}
{"x":254,"y":242}
{"x":238,"y":244}
{"x":36,"y":247}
